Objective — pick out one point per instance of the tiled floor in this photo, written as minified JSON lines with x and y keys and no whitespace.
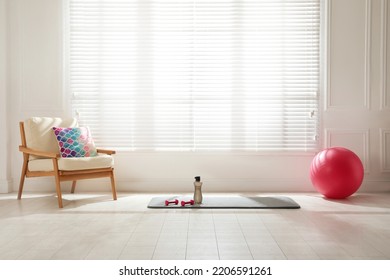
{"x":92,"y":226}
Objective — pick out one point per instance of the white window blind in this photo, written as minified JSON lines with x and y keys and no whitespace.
{"x":200,"y":75}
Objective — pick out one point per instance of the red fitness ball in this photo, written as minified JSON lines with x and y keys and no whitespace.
{"x":336,"y":172}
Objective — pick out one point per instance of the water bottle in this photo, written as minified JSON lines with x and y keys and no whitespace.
{"x":198,"y":190}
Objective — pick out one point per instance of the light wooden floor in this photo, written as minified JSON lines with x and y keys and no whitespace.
{"x":92,"y":226}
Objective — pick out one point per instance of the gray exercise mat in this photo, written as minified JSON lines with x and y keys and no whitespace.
{"x":273,"y":202}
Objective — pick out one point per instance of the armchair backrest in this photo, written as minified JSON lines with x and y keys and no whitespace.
{"x":39,"y":134}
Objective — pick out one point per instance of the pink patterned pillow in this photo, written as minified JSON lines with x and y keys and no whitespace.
{"x":75,"y":142}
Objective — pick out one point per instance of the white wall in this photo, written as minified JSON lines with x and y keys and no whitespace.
{"x":5,"y":184}
{"x":355,"y":106}
{"x":356,"y":112}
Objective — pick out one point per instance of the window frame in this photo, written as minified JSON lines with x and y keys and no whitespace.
{"x":323,"y":78}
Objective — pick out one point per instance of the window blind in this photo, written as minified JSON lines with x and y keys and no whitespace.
{"x":200,"y":75}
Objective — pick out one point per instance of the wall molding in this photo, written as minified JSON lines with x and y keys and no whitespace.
{"x":367,"y":58}
{"x":364,"y":133}
{"x":383,"y":57}
{"x":384,"y":162}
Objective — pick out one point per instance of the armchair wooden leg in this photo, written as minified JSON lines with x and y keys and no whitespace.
{"x":73,"y":186}
{"x":112,"y":177}
{"x":58,"y":188}
{"x":22,"y":176}
{"x":58,"y":184}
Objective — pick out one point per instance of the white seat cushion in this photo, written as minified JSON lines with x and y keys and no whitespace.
{"x":68,"y":164}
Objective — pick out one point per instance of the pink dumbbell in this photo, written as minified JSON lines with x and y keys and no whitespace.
{"x":167,"y":202}
{"x":183,"y":203}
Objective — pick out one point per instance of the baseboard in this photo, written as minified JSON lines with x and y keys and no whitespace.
{"x":215,"y":185}
{"x":179,"y":185}
{"x":168,"y":185}
{"x":372,"y":185}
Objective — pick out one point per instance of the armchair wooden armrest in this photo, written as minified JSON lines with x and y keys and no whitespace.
{"x":105,"y":151}
{"x":38,"y":153}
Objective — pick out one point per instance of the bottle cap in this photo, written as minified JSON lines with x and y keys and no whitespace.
{"x":197,"y":178}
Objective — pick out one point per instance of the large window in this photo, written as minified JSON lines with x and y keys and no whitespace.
{"x":199,"y":75}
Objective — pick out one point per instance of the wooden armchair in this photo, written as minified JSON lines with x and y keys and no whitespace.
{"x":41,"y":157}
